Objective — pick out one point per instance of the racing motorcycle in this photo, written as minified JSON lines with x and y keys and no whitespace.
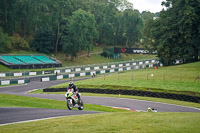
{"x":73,"y":101}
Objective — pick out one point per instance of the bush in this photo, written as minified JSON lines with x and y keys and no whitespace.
{"x":20,"y":44}
{"x":5,"y":42}
{"x":104,"y":54}
{"x":107,"y":54}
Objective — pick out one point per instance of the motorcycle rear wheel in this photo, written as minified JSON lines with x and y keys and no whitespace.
{"x":81,"y":106}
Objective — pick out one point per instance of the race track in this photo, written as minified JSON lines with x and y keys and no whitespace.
{"x":18,"y":115}
{"x":10,"y":115}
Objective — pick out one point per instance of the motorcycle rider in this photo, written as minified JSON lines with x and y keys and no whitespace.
{"x":72,"y":86}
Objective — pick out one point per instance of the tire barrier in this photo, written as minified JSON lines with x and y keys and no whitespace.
{"x":180,"y":97}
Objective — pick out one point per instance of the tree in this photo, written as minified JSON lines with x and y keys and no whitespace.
{"x":60,"y":10}
{"x":5,"y":42}
{"x":80,"y":33}
{"x":175,"y":34}
{"x":28,"y":18}
{"x":44,"y":41}
{"x":132,"y":27}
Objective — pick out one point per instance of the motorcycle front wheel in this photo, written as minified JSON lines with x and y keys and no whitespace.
{"x":69,"y":104}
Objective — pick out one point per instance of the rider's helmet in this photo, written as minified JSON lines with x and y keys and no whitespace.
{"x":71,"y":83}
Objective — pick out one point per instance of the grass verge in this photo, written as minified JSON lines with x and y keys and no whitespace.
{"x":115,"y":122}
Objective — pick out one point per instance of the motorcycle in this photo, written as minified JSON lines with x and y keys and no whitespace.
{"x":73,"y":101}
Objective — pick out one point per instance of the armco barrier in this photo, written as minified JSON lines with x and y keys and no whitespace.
{"x":81,"y":68}
{"x":14,"y":81}
{"x":133,"y":92}
{"x":127,"y":67}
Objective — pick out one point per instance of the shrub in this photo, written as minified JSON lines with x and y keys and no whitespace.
{"x":20,"y":44}
{"x":5,"y":42}
{"x":107,"y":54}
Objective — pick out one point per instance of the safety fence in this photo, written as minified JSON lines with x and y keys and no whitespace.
{"x":4,"y":75}
{"x":14,"y":81}
{"x":77,"y":71}
{"x":134,"y":93}
{"x":101,"y":70}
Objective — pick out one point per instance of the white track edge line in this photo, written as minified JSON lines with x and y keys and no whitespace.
{"x":38,"y":120}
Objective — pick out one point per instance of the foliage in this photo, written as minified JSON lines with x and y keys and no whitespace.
{"x":20,"y":44}
{"x":81,"y":33}
{"x":44,"y":41}
{"x":5,"y":42}
{"x":107,"y":54}
{"x":28,"y":18}
{"x":132,"y":25}
{"x":175,"y":34}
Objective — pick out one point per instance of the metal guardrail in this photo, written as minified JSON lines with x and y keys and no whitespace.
{"x":98,"y":71}
{"x":69,"y":69}
{"x":80,"y":72}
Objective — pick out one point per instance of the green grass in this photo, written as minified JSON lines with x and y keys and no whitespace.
{"x":174,"y":79}
{"x":118,"y":122}
{"x":22,"y":101}
{"x":4,"y":68}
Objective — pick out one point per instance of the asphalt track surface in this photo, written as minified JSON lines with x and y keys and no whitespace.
{"x":18,"y":115}
{"x":10,"y":115}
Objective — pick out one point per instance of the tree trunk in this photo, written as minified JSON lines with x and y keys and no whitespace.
{"x":72,"y":57}
{"x":57,"y":37}
{"x":88,"y":54}
{"x":127,"y":42}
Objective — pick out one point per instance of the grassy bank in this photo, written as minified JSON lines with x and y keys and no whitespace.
{"x":120,"y":122}
{"x":178,"y":79}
